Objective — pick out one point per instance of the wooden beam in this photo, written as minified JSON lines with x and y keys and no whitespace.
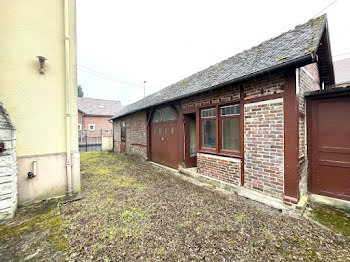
{"x":291,"y":138}
{"x":241,"y":132}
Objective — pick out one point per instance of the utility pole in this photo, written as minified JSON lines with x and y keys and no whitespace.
{"x":144,"y":88}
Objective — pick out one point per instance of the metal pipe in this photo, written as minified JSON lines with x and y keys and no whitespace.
{"x":68,"y":112}
{"x":35,"y":172}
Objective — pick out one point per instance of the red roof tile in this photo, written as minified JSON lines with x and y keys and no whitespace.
{"x":98,"y":107}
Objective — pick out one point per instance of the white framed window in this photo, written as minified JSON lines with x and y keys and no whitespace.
{"x":207,"y":113}
{"x":91,"y":127}
{"x":79,"y":127}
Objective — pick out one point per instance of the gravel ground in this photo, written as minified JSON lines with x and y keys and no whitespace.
{"x":133,"y":211}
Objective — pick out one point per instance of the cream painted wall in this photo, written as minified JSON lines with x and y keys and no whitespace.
{"x":36,"y":102}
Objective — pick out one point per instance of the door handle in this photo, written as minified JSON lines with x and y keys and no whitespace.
{"x":162,"y":138}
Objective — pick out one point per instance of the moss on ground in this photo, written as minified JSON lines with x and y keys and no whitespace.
{"x":334,"y":219}
{"x":40,"y":228}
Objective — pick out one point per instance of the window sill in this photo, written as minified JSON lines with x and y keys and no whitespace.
{"x":227,"y":154}
{"x":207,"y":150}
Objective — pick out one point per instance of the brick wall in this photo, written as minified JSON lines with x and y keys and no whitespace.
{"x":225,"y":94}
{"x":227,"y":169}
{"x":269,"y":85}
{"x":309,"y":80}
{"x":263,"y":86}
{"x":264,"y":147}
{"x":312,"y":69}
{"x":136,"y":134}
{"x":117,"y":135}
{"x":100,"y":122}
{"x":8,"y":167}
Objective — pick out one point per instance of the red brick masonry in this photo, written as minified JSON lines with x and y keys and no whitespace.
{"x":227,"y":169}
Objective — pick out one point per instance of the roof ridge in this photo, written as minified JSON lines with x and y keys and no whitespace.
{"x":99,"y":99}
{"x":303,"y":40}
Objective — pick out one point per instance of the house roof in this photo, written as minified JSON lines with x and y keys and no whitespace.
{"x":293,"y":47}
{"x":342,"y":71}
{"x":98,"y":107}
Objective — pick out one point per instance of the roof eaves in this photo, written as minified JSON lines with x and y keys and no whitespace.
{"x":82,"y":111}
{"x":329,"y":91}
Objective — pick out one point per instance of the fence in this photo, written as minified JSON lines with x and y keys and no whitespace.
{"x":91,"y":140}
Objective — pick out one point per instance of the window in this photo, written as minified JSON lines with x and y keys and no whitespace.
{"x":79,"y":127}
{"x":224,"y":121}
{"x":209,"y":133}
{"x":163,"y":114}
{"x":209,"y":127}
{"x":172,"y":130}
{"x":230,"y":110}
{"x":91,"y":127}
{"x":230,"y":134}
{"x":206,"y":113}
{"x":230,"y":127}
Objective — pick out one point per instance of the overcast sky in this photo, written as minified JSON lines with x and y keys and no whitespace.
{"x":123,"y":43}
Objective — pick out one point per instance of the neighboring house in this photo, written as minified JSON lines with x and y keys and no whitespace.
{"x":342,"y":72}
{"x":243,"y":120}
{"x":94,"y":114}
{"x":40,"y":97}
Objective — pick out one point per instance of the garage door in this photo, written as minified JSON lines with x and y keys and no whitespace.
{"x":330,"y":147}
{"x":164,"y":137}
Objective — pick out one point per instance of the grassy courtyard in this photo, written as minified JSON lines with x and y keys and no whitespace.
{"x":133,"y":211}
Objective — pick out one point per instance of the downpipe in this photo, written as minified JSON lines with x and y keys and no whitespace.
{"x":68,"y":108}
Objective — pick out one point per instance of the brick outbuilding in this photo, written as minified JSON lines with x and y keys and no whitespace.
{"x":93,"y":114}
{"x":241,"y":121}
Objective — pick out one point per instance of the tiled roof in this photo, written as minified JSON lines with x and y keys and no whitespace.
{"x":291,"y":46}
{"x":98,"y":107}
{"x":342,"y":71}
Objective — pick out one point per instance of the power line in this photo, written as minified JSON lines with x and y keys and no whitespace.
{"x":105,"y":76}
{"x":325,"y":8}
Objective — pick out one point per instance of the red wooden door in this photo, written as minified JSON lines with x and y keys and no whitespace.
{"x":190,"y":140}
{"x":164,"y":143}
{"x":330,"y":147}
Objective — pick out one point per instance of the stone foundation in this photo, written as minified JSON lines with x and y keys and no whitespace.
{"x":8,"y":167}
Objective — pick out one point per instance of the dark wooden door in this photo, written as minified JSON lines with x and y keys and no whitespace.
{"x":190,"y":140}
{"x":164,"y":143}
{"x":330,"y":147}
